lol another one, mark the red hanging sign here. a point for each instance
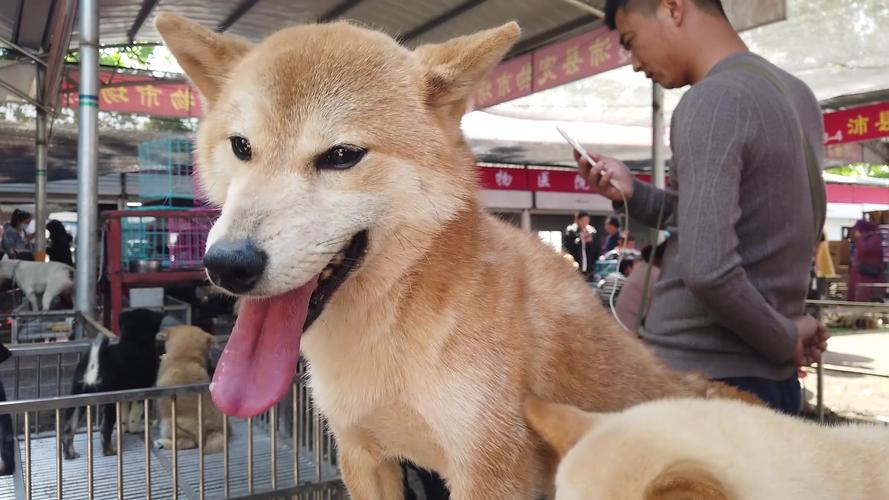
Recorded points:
(857, 124)
(128, 93)
(557, 64)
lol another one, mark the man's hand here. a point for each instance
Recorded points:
(811, 343)
(603, 172)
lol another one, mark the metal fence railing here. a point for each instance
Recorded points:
(876, 311)
(288, 454)
(283, 453)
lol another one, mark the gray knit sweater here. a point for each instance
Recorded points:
(737, 266)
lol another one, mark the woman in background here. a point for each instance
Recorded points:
(59, 249)
(867, 264)
(14, 242)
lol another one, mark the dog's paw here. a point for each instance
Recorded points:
(71, 455)
(163, 444)
(109, 451)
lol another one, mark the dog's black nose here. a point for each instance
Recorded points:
(235, 265)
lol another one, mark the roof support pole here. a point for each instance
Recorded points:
(40, 182)
(87, 163)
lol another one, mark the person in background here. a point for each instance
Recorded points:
(59, 249)
(614, 282)
(578, 241)
(824, 267)
(867, 264)
(745, 211)
(14, 243)
(612, 235)
(640, 281)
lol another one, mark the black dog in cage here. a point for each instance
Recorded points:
(7, 444)
(131, 363)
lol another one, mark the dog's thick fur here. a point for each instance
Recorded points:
(709, 450)
(49, 279)
(131, 363)
(185, 362)
(427, 351)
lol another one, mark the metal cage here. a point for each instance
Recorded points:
(165, 168)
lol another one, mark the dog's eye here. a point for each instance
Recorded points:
(241, 147)
(340, 157)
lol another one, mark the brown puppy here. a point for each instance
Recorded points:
(185, 362)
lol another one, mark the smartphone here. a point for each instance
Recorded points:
(576, 145)
(582, 152)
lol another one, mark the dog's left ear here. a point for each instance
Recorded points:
(453, 68)
(206, 57)
(561, 426)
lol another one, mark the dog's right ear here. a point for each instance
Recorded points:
(453, 68)
(206, 57)
(561, 426)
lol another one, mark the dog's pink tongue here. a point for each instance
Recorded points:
(259, 361)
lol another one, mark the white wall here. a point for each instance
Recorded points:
(841, 215)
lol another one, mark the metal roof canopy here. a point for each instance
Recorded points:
(36, 34)
(125, 22)
(28, 28)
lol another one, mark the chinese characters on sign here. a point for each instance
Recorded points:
(857, 124)
(114, 95)
(578, 57)
(503, 179)
(148, 96)
(512, 179)
(508, 81)
(563, 181)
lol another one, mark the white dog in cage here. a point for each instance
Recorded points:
(49, 279)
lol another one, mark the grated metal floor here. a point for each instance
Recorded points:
(74, 472)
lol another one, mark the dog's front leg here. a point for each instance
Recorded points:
(110, 419)
(32, 298)
(72, 422)
(134, 420)
(367, 473)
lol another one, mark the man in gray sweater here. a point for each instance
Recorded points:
(744, 201)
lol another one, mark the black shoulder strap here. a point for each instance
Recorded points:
(816, 181)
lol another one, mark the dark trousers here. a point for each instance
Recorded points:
(782, 395)
(434, 487)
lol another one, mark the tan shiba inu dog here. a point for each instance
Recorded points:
(350, 218)
(709, 450)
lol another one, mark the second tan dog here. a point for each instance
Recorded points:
(685, 449)
(185, 362)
